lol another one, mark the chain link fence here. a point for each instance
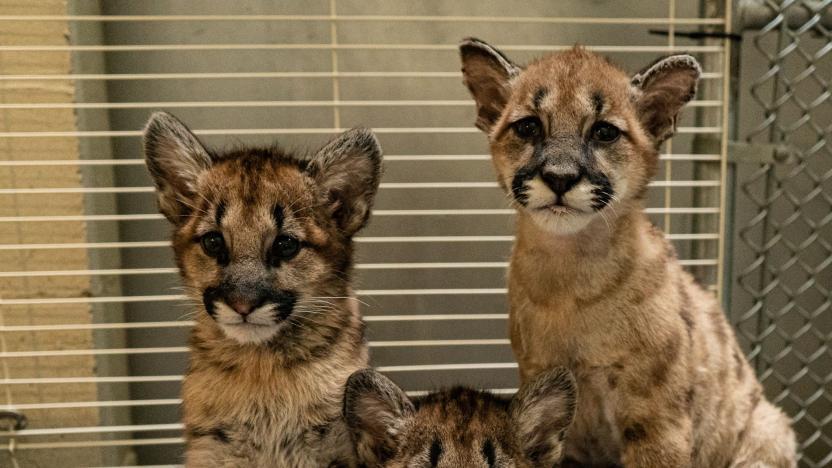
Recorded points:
(783, 254)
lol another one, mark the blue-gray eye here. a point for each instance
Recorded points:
(285, 247)
(213, 244)
(528, 128)
(605, 132)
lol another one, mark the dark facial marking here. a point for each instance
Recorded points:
(598, 102)
(435, 452)
(257, 296)
(537, 99)
(603, 190)
(277, 214)
(219, 213)
(209, 296)
(635, 433)
(489, 453)
(518, 184)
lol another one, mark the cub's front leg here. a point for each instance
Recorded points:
(653, 423)
(656, 442)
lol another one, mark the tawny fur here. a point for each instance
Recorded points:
(459, 427)
(596, 288)
(267, 392)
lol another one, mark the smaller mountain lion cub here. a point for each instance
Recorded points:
(263, 241)
(459, 427)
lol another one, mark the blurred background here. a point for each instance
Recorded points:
(92, 328)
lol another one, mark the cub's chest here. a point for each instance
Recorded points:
(282, 445)
(561, 333)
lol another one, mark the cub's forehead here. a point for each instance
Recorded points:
(257, 177)
(576, 77)
(471, 411)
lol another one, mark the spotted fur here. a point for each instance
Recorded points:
(594, 287)
(459, 427)
(263, 241)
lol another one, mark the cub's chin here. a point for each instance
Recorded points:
(258, 327)
(560, 221)
(250, 333)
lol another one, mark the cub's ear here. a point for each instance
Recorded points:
(542, 411)
(661, 89)
(487, 74)
(175, 159)
(349, 169)
(375, 410)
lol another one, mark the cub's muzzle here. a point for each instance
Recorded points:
(245, 300)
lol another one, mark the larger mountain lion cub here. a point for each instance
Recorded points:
(594, 286)
(263, 241)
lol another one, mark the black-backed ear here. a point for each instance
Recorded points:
(487, 73)
(661, 90)
(175, 159)
(542, 411)
(349, 169)
(375, 410)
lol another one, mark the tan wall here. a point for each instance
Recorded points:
(13, 120)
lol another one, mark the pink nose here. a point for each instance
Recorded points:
(241, 307)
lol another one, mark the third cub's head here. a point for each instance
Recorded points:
(460, 427)
(263, 239)
(571, 133)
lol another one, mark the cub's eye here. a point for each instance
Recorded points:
(527, 128)
(285, 247)
(605, 132)
(213, 244)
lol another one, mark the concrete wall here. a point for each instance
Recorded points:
(12, 149)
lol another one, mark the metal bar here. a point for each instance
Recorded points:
(247, 104)
(283, 131)
(190, 323)
(436, 212)
(91, 443)
(180, 297)
(387, 158)
(184, 349)
(178, 378)
(327, 46)
(358, 266)
(383, 185)
(371, 18)
(93, 430)
(244, 75)
(91, 404)
(360, 240)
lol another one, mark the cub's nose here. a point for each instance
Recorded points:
(240, 306)
(560, 183)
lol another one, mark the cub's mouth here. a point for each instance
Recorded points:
(249, 315)
(559, 209)
(562, 204)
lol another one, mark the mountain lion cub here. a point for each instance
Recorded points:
(263, 241)
(459, 427)
(593, 286)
